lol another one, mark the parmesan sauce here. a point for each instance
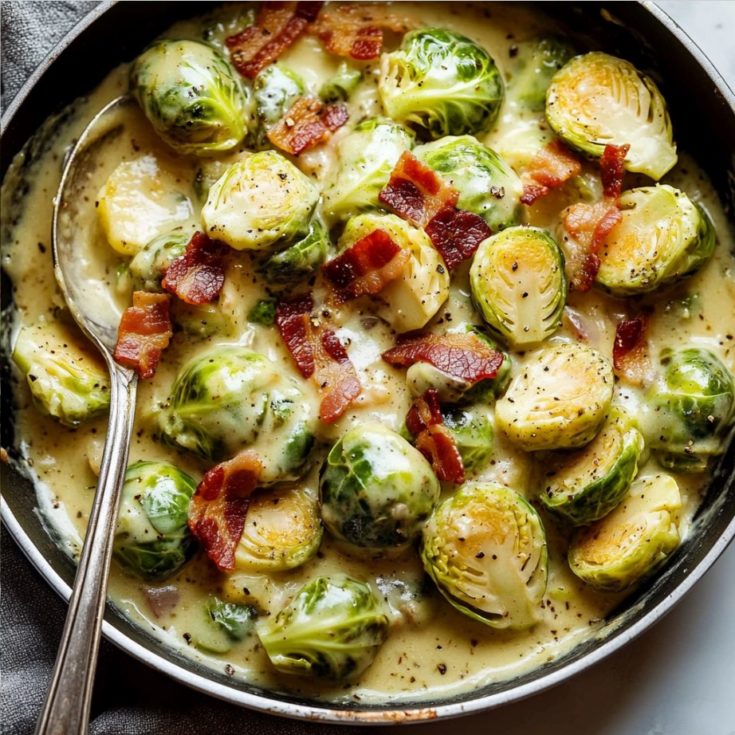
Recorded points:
(433, 654)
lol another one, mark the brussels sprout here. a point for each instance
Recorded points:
(203, 320)
(191, 96)
(366, 158)
(441, 83)
(341, 85)
(586, 484)
(616, 551)
(149, 264)
(230, 397)
(485, 548)
(258, 201)
(219, 625)
(210, 170)
(472, 431)
(690, 409)
(597, 100)
(662, 236)
(264, 312)
(518, 283)
(376, 489)
(138, 202)
(537, 63)
(487, 185)
(558, 400)
(414, 299)
(276, 88)
(152, 538)
(64, 381)
(332, 629)
(282, 531)
(300, 260)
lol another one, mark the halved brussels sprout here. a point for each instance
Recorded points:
(472, 431)
(633, 540)
(597, 100)
(558, 400)
(65, 382)
(258, 201)
(150, 264)
(229, 398)
(441, 83)
(300, 260)
(536, 64)
(152, 538)
(485, 548)
(376, 489)
(586, 484)
(691, 408)
(662, 236)
(412, 300)
(191, 96)
(138, 202)
(487, 185)
(366, 157)
(518, 283)
(341, 84)
(332, 629)
(282, 531)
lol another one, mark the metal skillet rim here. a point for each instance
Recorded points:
(314, 713)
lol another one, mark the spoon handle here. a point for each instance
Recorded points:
(66, 710)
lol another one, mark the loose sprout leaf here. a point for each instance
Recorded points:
(376, 489)
(264, 312)
(332, 629)
(558, 400)
(518, 283)
(197, 276)
(485, 549)
(220, 504)
(340, 86)
(633, 540)
(235, 620)
(144, 333)
(597, 100)
(191, 96)
(471, 428)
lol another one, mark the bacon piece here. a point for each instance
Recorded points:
(612, 169)
(551, 167)
(438, 446)
(416, 192)
(144, 333)
(306, 125)
(197, 276)
(356, 30)
(424, 412)
(219, 506)
(463, 356)
(456, 234)
(368, 266)
(630, 350)
(278, 26)
(320, 355)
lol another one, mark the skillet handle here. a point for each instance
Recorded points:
(66, 710)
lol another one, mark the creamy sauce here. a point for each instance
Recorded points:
(442, 652)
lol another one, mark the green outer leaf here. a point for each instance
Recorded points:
(573, 496)
(472, 431)
(332, 629)
(235, 620)
(149, 264)
(342, 84)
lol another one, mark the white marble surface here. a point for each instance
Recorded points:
(679, 677)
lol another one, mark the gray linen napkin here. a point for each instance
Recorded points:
(129, 698)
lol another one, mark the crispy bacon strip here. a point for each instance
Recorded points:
(307, 124)
(463, 356)
(219, 506)
(456, 234)
(144, 332)
(630, 350)
(320, 355)
(415, 192)
(612, 169)
(278, 26)
(197, 276)
(356, 30)
(425, 421)
(368, 266)
(551, 167)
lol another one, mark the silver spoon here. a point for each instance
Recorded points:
(66, 710)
